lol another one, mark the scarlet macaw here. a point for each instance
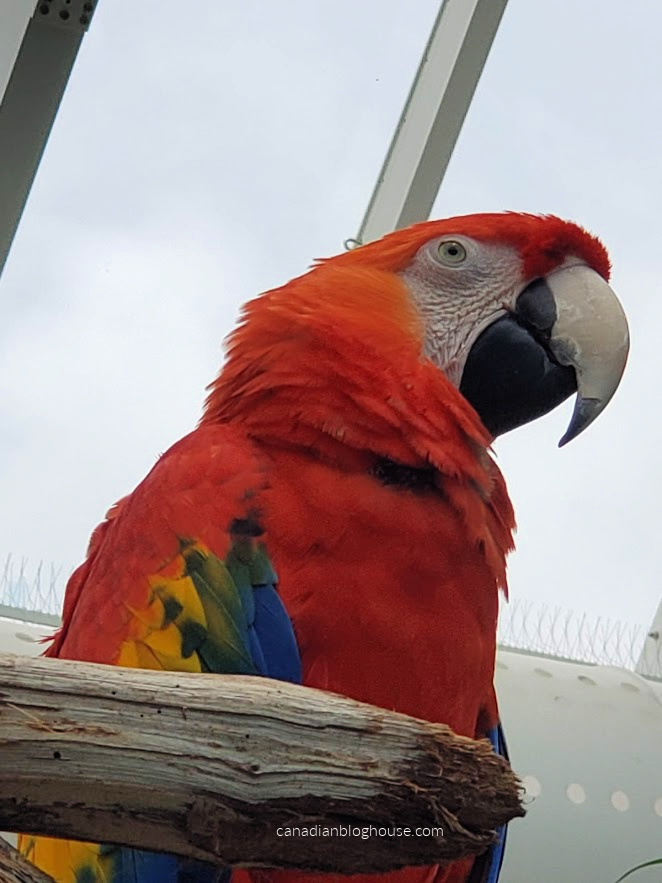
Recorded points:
(345, 446)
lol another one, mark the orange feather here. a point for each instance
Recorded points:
(393, 591)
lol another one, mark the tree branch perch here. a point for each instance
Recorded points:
(16, 869)
(216, 767)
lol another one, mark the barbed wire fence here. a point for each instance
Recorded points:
(554, 631)
(560, 633)
(38, 590)
(530, 627)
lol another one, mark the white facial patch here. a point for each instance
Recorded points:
(457, 300)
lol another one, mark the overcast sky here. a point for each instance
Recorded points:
(204, 153)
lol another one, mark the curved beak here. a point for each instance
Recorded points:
(565, 333)
(589, 334)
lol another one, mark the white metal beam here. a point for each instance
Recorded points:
(440, 96)
(37, 54)
(14, 18)
(650, 659)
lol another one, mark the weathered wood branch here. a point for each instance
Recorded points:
(221, 768)
(16, 869)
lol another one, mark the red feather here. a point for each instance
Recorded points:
(393, 592)
(543, 241)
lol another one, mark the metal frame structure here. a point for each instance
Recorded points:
(40, 41)
(433, 115)
(649, 663)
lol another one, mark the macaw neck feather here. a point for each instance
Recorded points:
(330, 366)
(332, 363)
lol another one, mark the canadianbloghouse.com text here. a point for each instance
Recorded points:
(365, 832)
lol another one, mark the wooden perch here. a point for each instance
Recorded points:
(16, 869)
(222, 768)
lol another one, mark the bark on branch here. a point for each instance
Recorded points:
(218, 768)
(16, 869)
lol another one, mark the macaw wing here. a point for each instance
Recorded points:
(212, 614)
(178, 578)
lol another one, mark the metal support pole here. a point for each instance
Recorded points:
(440, 96)
(43, 61)
(649, 663)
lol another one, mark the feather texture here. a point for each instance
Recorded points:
(187, 598)
(333, 449)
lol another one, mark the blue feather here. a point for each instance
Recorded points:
(275, 636)
(132, 865)
(487, 868)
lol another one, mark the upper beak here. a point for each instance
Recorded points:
(591, 335)
(565, 333)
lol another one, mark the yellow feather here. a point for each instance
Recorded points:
(166, 645)
(184, 592)
(65, 859)
(134, 654)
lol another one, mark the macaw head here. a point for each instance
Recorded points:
(514, 308)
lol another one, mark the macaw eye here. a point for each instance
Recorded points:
(452, 252)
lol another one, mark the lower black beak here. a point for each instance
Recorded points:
(510, 378)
